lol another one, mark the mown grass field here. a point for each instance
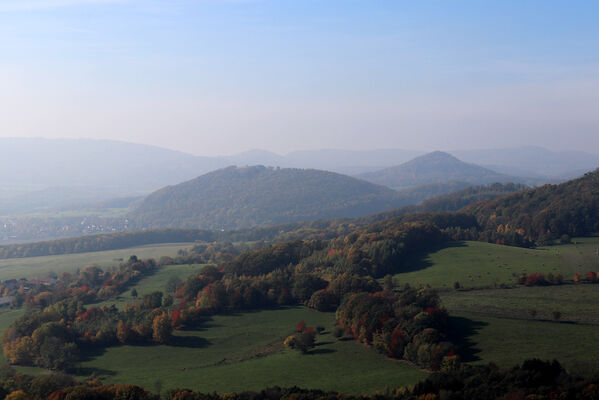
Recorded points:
(478, 265)
(37, 267)
(245, 352)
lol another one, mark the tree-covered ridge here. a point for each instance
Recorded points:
(233, 198)
(109, 241)
(543, 214)
(318, 229)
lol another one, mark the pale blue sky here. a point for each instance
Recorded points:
(222, 76)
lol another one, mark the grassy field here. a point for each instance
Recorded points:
(496, 323)
(575, 302)
(477, 264)
(241, 352)
(245, 352)
(497, 326)
(37, 267)
(154, 282)
(507, 341)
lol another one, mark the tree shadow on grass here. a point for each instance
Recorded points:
(193, 342)
(258, 310)
(461, 332)
(322, 343)
(91, 353)
(208, 322)
(321, 351)
(420, 260)
(91, 371)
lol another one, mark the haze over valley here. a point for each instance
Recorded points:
(299, 200)
(65, 190)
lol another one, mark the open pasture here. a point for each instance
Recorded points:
(483, 265)
(38, 267)
(575, 302)
(506, 341)
(154, 282)
(245, 352)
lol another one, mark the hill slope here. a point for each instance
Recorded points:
(434, 168)
(544, 213)
(243, 197)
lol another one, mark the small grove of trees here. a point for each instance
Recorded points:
(408, 326)
(557, 315)
(87, 285)
(52, 338)
(303, 340)
(540, 279)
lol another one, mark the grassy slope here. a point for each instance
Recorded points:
(154, 282)
(244, 351)
(496, 322)
(508, 341)
(35, 267)
(477, 265)
(575, 302)
(237, 352)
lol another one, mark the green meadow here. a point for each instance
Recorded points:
(483, 265)
(575, 302)
(229, 353)
(496, 324)
(155, 282)
(244, 351)
(507, 341)
(38, 267)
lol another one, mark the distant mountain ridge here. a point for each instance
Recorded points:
(40, 174)
(436, 167)
(535, 160)
(315, 229)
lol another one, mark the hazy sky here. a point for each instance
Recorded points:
(222, 76)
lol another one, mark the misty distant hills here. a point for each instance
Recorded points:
(44, 163)
(349, 162)
(232, 198)
(235, 198)
(436, 167)
(38, 175)
(533, 161)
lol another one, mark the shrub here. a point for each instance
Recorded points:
(338, 332)
(556, 315)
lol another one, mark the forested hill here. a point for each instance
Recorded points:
(232, 198)
(449, 202)
(542, 214)
(434, 168)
